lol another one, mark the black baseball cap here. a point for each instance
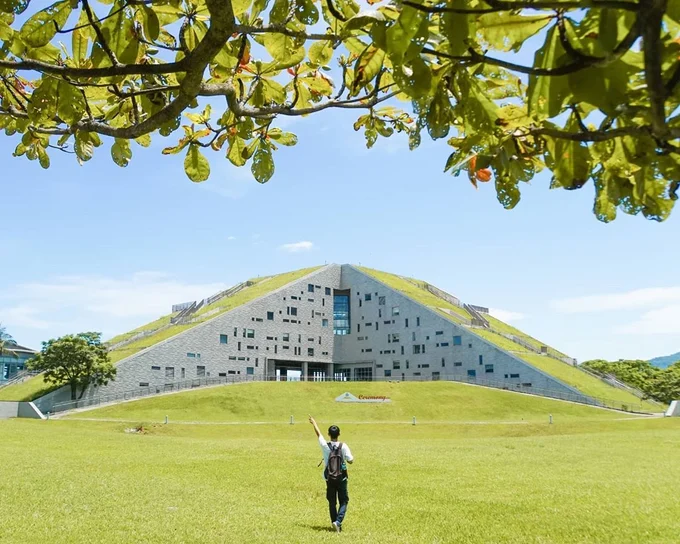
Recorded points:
(334, 431)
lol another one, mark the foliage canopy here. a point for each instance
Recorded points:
(599, 103)
(78, 360)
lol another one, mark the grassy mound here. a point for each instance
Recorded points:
(277, 401)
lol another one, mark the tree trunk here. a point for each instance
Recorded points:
(74, 389)
(82, 391)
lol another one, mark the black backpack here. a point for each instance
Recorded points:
(334, 470)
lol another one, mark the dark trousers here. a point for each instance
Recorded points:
(336, 491)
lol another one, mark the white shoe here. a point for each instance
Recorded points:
(336, 526)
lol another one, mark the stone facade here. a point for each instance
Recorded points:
(391, 337)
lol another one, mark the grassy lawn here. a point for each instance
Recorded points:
(428, 401)
(36, 387)
(578, 480)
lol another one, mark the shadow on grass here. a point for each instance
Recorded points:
(319, 528)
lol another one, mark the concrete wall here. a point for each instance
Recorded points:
(19, 409)
(673, 409)
(306, 331)
(373, 325)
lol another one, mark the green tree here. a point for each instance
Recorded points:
(666, 384)
(598, 104)
(6, 343)
(636, 373)
(78, 360)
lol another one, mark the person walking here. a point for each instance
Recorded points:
(336, 455)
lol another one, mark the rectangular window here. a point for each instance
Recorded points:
(155, 368)
(514, 375)
(223, 338)
(200, 371)
(438, 333)
(402, 350)
(250, 333)
(328, 290)
(293, 310)
(406, 322)
(310, 352)
(417, 322)
(443, 362)
(191, 355)
(324, 322)
(395, 337)
(406, 364)
(457, 340)
(396, 365)
(222, 374)
(458, 363)
(367, 297)
(444, 344)
(358, 327)
(310, 287)
(488, 369)
(232, 357)
(270, 316)
(472, 373)
(231, 372)
(250, 370)
(239, 346)
(235, 331)
(427, 365)
(435, 376)
(250, 347)
(416, 349)
(286, 337)
(422, 346)
(481, 359)
(395, 310)
(381, 301)
(184, 372)
(169, 371)
(143, 384)
(388, 373)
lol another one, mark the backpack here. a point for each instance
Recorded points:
(334, 470)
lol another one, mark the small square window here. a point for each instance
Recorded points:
(395, 337)
(270, 316)
(200, 371)
(286, 337)
(293, 310)
(458, 363)
(381, 301)
(388, 373)
(328, 290)
(310, 352)
(472, 373)
(488, 369)
(457, 340)
(250, 333)
(310, 287)
(367, 297)
(223, 338)
(169, 371)
(250, 370)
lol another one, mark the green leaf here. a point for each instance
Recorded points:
(439, 114)
(507, 31)
(263, 163)
(120, 152)
(321, 52)
(283, 138)
(43, 104)
(279, 11)
(363, 19)
(283, 48)
(42, 26)
(240, 6)
(604, 88)
(507, 191)
(547, 94)
(235, 152)
(415, 80)
(13, 6)
(512, 116)
(306, 12)
(84, 145)
(70, 103)
(458, 29)
(152, 26)
(196, 166)
(400, 34)
(569, 161)
(367, 66)
(80, 39)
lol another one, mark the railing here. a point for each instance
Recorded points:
(477, 318)
(143, 392)
(183, 317)
(19, 377)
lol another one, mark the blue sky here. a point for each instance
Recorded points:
(102, 248)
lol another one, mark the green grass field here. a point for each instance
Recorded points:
(504, 475)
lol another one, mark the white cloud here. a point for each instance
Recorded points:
(297, 247)
(639, 298)
(664, 320)
(231, 237)
(100, 303)
(506, 315)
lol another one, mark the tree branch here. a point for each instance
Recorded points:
(99, 33)
(652, 25)
(673, 80)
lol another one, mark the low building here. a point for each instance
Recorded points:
(13, 360)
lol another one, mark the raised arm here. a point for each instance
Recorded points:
(316, 427)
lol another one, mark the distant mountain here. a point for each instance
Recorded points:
(665, 362)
